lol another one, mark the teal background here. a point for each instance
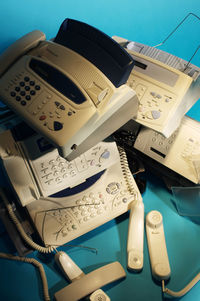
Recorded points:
(144, 21)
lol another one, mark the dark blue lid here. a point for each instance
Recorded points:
(98, 48)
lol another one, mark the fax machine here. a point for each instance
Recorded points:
(71, 89)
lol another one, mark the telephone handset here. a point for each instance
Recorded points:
(19, 48)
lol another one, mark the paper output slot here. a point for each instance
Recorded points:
(157, 152)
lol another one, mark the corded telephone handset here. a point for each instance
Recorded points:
(20, 47)
(72, 89)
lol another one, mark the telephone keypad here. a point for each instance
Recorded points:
(24, 89)
(154, 101)
(192, 147)
(92, 207)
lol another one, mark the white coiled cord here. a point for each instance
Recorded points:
(35, 263)
(23, 234)
(126, 172)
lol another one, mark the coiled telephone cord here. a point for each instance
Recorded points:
(23, 234)
(126, 173)
(35, 263)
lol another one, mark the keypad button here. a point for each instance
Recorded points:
(32, 92)
(57, 103)
(43, 117)
(18, 98)
(57, 126)
(155, 114)
(158, 96)
(28, 97)
(27, 88)
(32, 83)
(153, 94)
(13, 94)
(22, 84)
(26, 79)
(22, 93)
(17, 89)
(37, 87)
(23, 102)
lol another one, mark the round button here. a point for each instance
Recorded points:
(32, 92)
(28, 97)
(27, 88)
(105, 155)
(22, 93)
(32, 83)
(57, 103)
(26, 79)
(42, 117)
(13, 94)
(18, 98)
(37, 87)
(158, 96)
(153, 94)
(17, 89)
(155, 114)
(22, 84)
(23, 102)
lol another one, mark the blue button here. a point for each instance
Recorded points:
(155, 114)
(105, 155)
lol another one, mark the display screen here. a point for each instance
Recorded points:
(155, 71)
(140, 65)
(57, 80)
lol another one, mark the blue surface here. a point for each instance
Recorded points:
(144, 21)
